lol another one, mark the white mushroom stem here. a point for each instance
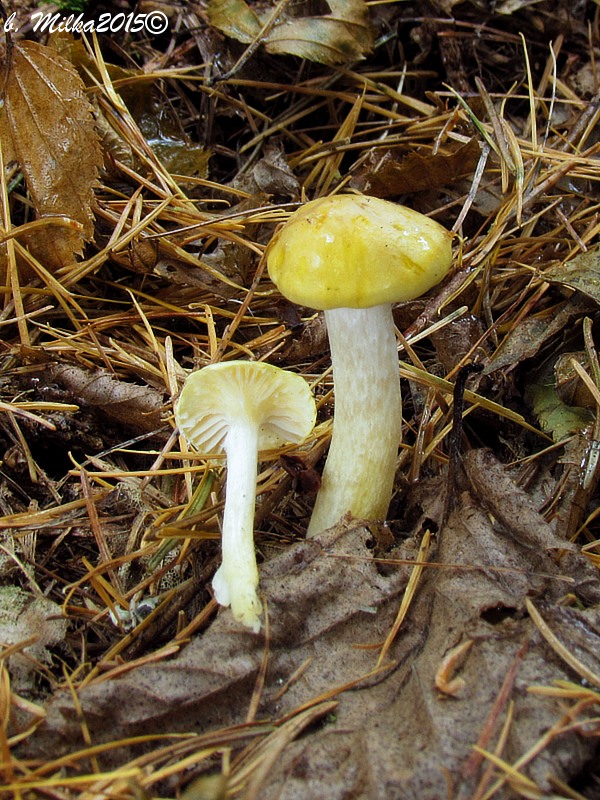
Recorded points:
(236, 581)
(367, 428)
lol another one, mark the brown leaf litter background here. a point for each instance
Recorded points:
(450, 651)
(394, 732)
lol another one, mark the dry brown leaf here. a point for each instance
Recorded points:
(48, 120)
(320, 594)
(137, 407)
(528, 337)
(393, 173)
(512, 507)
(34, 619)
(401, 738)
(309, 341)
(342, 36)
(393, 735)
(273, 175)
(581, 273)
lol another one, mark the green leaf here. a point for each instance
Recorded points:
(555, 417)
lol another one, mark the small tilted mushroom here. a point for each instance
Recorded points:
(241, 407)
(354, 256)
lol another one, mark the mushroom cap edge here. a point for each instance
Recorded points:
(279, 402)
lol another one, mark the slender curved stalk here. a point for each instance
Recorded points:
(367, 428)
(236, 581)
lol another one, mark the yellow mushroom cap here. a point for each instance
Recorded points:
(353, 251)
(280, 403)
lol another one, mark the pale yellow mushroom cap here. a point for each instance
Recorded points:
(353, 251)
(280, 403)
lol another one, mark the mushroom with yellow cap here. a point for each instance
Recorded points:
(242, 407)
(353, 256)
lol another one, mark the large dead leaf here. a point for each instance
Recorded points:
(47, 123)
(393, 173)
(323, 596)
(339, 37)
(395, 734)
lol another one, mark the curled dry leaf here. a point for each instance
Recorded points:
(137, 407)
(342, 36)
(273, 175)
(47, 121)
(309, 341)
(512, 507)
(446, 680)
(533, 332)
(581, 273)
